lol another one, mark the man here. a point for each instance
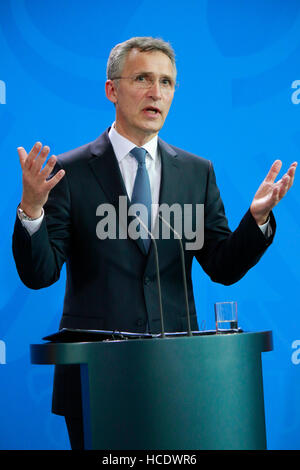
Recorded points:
(111, 282)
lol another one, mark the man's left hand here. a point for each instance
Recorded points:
(270, 193)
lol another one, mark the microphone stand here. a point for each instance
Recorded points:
(183, 274)
(157, 275)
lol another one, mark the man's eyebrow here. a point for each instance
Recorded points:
(148, 72)
(162, 75)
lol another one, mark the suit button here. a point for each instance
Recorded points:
(140, 322)
(147, 280)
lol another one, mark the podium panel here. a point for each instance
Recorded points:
(184, 393)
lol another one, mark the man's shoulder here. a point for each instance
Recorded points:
(75, 155)
(84, 153)
(185, 157)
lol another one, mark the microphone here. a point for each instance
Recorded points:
(183, 274)
(157, 276)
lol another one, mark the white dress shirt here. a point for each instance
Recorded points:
(128, 165)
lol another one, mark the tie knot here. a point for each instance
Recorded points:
(139, 154)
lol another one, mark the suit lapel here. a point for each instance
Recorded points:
(169, 190)
(105, 168)
(170, 174)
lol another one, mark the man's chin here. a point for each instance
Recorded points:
(151, 127)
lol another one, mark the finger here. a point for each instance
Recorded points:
(48, 167)
(55, 179)
(291, 173)
(275, 195)
(40, 159)
(281, 187)
(292, 168)
(22, 155)
(32, 155)
(273, 172)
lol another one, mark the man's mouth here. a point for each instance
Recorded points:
(152, 110)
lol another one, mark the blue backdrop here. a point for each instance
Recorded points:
(237, 104)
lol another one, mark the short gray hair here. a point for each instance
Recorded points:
(119, 53)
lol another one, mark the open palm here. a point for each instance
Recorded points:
(270, 192)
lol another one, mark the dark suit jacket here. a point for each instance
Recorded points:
(111, 283)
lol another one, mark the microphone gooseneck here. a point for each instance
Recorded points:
(157, 275)
(183, 274)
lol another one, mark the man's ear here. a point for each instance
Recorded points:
(111, 90)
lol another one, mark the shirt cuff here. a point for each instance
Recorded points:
(266, 228)
(32, 226)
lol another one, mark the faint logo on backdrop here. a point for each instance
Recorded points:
(295, 358)
(296, 94)
(2, 352)
(2, 92)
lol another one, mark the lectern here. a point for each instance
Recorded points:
(172, 393)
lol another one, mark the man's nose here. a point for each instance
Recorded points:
(155, 91)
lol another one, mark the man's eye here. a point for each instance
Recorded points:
(140, 78)
(166, 82)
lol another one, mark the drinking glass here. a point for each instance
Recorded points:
(226, 317)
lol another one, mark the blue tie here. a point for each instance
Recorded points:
(142, 192)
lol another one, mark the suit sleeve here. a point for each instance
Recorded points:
(40, 257)
(226, 256)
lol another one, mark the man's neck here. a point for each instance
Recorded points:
(138, 139)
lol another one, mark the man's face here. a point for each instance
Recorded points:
(141, 112)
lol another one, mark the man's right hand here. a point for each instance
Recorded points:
(36, 187)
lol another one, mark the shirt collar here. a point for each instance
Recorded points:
(123, 146)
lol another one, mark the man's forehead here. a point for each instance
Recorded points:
(148, 60)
